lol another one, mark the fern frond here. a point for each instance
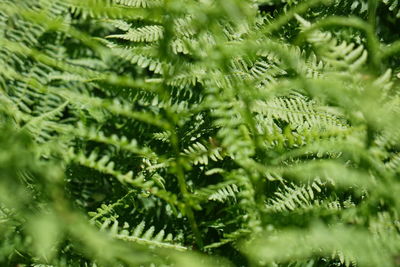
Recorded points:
(143, 34)
(141, 236)
(225, 193)
(297, 110)
(200, 154)
(339, 55)
(92, 134)
(139, 3)
(394, 6)
(290, 198)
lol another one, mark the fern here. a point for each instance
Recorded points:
(199, 133)
(140, 236)
(393, 6)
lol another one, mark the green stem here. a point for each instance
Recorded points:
(372, 8)
(392, 49)
(164, 50)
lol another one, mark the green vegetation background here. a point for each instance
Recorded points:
(199, 133)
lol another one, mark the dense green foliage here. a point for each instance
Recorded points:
(199, 133)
